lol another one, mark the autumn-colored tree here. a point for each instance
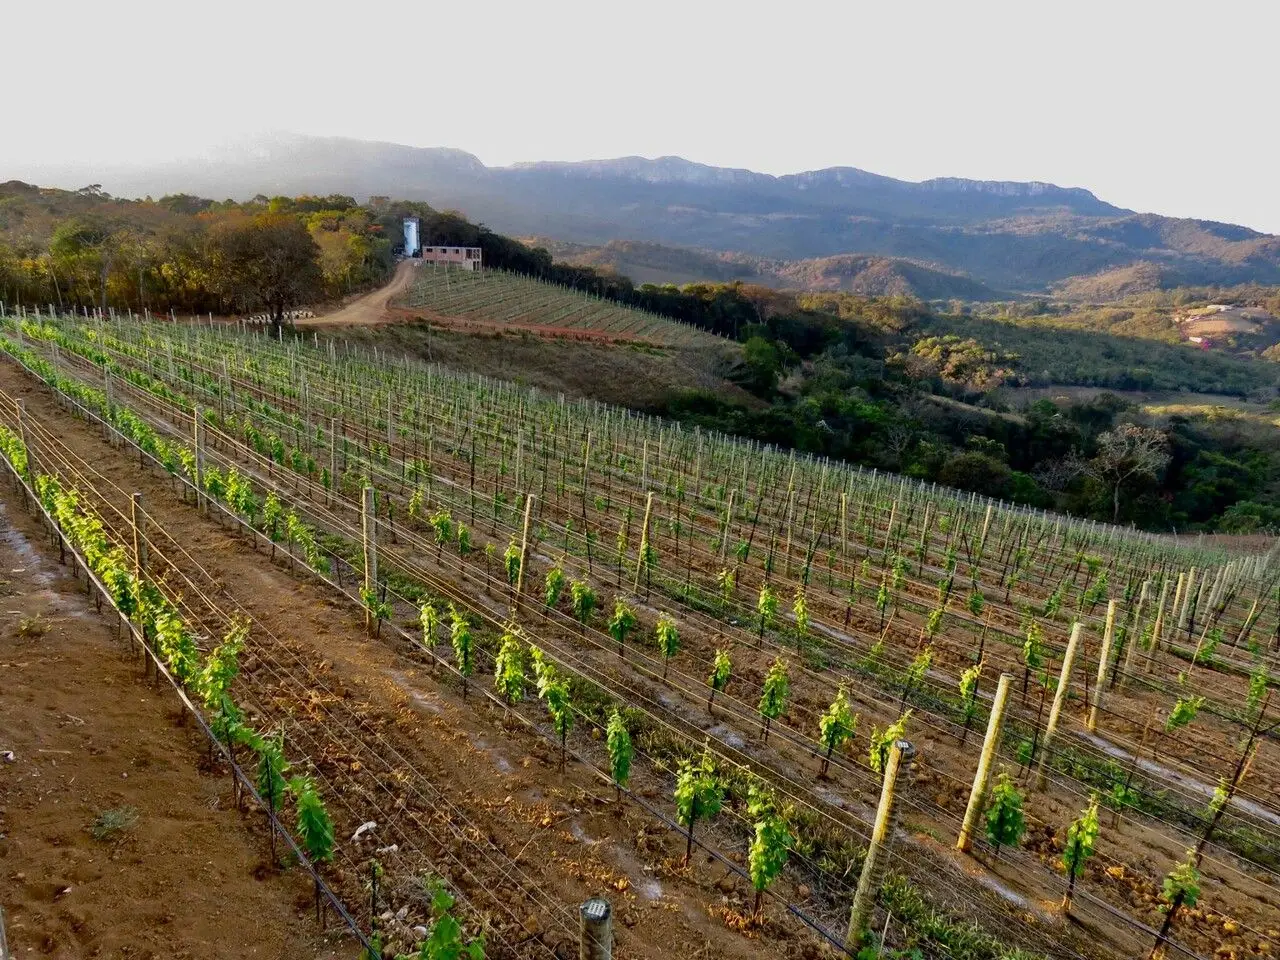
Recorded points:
(264, 262)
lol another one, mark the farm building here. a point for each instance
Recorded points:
(465, 258)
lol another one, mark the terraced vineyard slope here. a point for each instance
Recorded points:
(499, 299)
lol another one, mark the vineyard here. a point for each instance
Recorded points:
(497, 299)
(833, 712)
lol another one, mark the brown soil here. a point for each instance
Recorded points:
(454, 784)
(186, 879)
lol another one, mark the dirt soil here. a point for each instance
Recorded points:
(89, 736)
(369, 308)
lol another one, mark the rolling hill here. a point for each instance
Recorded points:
(1010, 236)
(850, 273)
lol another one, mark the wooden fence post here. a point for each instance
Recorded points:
(982, 778)
(595, 930)
(873, 867)
(1059, 698)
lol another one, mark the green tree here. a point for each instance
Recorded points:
(583, 599)
(314, 825)
(668, 639)
(762, 363)
(883, 740)
(511, 561)
(264, 262)
(430, 620)
(699, 795)
(554, 585)
(969, 695)
(621, 623)
(771, 845)
(800, 609)
(766, 608)
(836, 727)
(508, 667)
(1183, 712)
(463, 645)
(1005, 821)
(721, 668)
(773, 698)
(1081, 837)
(618, 740)
(554, 691)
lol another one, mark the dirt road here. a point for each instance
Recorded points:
(370, 308)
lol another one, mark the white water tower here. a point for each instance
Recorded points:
(411, 242)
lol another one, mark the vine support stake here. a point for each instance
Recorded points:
(197, 427)
(873, 867)
(524, 549)
(369, 534)
(1103, 659)
(333, 456)
(982, 778)
(595, 930)
(644, 541)
(1059, 698)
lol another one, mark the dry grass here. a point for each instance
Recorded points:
(630, 375)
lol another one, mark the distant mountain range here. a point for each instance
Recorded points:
(1023, 237)
(850, 272)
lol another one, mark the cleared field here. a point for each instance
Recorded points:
(497, 298)
(511, 509)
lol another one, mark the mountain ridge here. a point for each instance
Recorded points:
(1021, 236)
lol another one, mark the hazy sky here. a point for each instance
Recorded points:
(1168, 107)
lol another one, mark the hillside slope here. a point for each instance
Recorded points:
(852, 273)
(1015, 236)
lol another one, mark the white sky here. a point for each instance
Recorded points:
(1161, 106)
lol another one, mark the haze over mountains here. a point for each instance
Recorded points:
(955, 237)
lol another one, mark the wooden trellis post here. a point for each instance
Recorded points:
(876, 861)
(982, 778)
(1059, 697)
(524, 549)
(1103, 659)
